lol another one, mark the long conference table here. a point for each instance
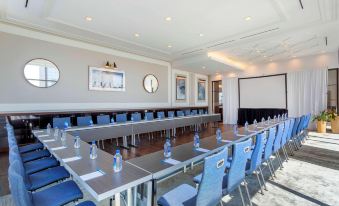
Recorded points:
(99, 179)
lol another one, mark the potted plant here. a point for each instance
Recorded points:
(321, 118)
(333, 117)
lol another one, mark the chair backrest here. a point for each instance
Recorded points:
(307, 122)
(187, 112)
(161, 115)
(269, 143)
(201, 111)
(59, 122)
(136, 116)
(120, 118)
(149, 115)
(20, 195)
(285, 133)
(180, 113)
(103, 119)
(210, 187)
(256, 157)
(236, 173)
(301, 124)
(170, 114)
(84, 121)
(290, 129)
(194, 112)
(295, 126)
(14, 154)
(19, 168)
(278, 136)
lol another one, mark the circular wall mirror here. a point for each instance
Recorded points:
(41, 73)
(151, 83)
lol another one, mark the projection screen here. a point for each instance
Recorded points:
(263, 92)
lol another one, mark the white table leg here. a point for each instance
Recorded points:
(129, 197)
(149, 193)
(135, 193)
(117, 199)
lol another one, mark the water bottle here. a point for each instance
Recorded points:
(268, 120)
(235, 129)
(275, 118)
(117, 161)
(255, 123)
(93, 151)
(167, 148)
(48, 128)
(56, 133)
(132, 119)
(63, 135)
(262, 121)
(218, 135)
(246, 126)
(90, 122)
(66, 125)
(145, 117)
(112, 120)
(279, 118)
(196, 140)
(77, 142)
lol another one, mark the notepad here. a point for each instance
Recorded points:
(261, 127)
(58, 148)
(71, 159)
(92, 175)
(224, 140)
(43, 135)
(49, 140)
(171, 161)
(202, 150)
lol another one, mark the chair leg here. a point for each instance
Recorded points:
(247, 192)
(256, 173)
(279, 159)
(241, 196)
(290, 148)
(221, 203)
(103, 144)
(285, 153)
(262, 176)
(269, 168)
(116, 139)
(272, 168)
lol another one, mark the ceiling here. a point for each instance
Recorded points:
(237, 32)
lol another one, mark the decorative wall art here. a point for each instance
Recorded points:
(101, 79)
(201, 89)
(181, 87)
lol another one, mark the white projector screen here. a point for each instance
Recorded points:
(263, 92)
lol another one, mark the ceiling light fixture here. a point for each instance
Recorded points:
(222, 58)
(88, 18)
(169, 46)
(201, 35)
(136, 35)
(248, 18)
(168, 18)
(203, 67)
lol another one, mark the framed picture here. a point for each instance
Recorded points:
(101, 79)
(180, 87)
(201, 89)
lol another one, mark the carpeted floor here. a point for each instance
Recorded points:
(310, 177)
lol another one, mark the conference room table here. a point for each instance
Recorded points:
(147, 169)
(97, 175)
(131, 128)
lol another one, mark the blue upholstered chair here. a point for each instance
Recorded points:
(121, 118)
(180, 114)
(201, 111)
(187, 112)
(33, 166)
(289, 135)
(254, 163)
(103, 119)
(209, 191)
(84, 121)
(170, 114)
(194, 112)
(284, 138)
(86, 203)
(59, 122)
(277, 143)
(40, 179)
(269, 149)
(59, 194)
(149, 115)
(161, 115)
(136, 116)
(23, 149)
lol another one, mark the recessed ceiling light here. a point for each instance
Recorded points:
(203, 67)
(217, 73)
(88, 18)
(168, 18)
(248, 18)
(322, 51)
(201, 35)
(169, 46)
(294, 56)
(136, 35)
(265, 56)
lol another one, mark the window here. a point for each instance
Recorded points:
(332, 90)
(41, 73)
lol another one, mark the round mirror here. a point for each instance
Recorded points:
(151, 83)
(41, 73)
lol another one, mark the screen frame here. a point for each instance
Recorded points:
(282, 74)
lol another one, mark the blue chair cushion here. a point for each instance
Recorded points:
(41, 164)
(30, 156)
(182, 195)
(86, 203)
(31, 147)
(60, 194)
(46, 177)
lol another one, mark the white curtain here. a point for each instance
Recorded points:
(306, 92)
(230, 100)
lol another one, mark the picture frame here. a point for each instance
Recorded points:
(201, 89)
(181, 87)
(102, 79)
